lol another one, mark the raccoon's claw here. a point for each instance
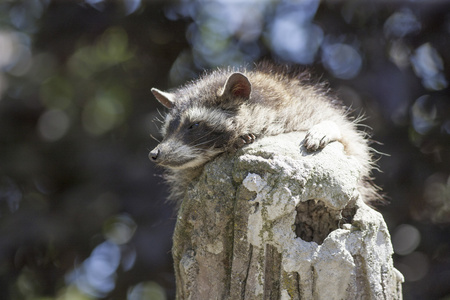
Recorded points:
(321, 135)
(248, 138)
(245, 139)
(314, 143)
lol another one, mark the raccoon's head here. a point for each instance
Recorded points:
(197, 127)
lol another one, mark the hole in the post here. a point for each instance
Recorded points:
(314, 220)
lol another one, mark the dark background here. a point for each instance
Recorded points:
(82, 211)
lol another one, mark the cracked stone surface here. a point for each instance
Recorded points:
(273, 221)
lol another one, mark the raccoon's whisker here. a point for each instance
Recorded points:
(158, 120)
(160, 114)
(199, 138)
(155, 138)
(205, 142)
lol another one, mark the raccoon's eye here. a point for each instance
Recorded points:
(193, 126)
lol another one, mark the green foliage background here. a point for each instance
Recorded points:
(82, 211)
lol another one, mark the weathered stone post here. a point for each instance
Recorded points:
(273, 221)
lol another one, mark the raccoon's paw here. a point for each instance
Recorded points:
(321, 135)
(244, 139)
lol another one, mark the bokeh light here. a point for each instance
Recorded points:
(405, 239)
(437, 196)
(342, 60)
(119, 229)
(96, 276)
(428, 65)
(423, 114)
(401, 24)
(146, 290)
(53, 124)
(82, 211)
(293, 36)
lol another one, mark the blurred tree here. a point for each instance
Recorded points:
(82, 212)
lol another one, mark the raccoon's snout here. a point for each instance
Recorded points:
(154, 154)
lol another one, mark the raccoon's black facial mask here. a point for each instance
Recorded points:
(187, 143)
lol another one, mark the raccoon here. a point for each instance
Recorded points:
(228, 108)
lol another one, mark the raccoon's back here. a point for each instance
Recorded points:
(286, 102)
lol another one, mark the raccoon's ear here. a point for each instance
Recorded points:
(166, 99)
(237, 85)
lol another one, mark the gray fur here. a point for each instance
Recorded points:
(226, 108)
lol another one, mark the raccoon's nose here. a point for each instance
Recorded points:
(154, 154)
